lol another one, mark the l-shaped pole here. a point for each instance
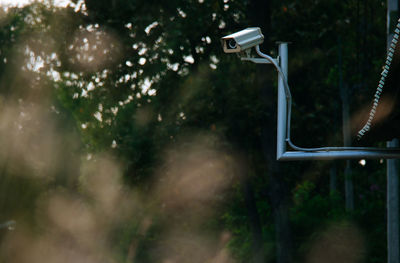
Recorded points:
(308, 154)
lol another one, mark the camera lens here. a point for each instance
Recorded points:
(232, 43)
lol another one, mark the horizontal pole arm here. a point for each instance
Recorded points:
(336, 155)
(258, 60)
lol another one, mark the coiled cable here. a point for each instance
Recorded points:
(381, 84)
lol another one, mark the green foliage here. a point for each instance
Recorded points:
(147, 83)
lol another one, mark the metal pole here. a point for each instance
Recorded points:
(282, 104)
(321, 153)
(392, 204)
(282, 118)
(392, 191)
(338, 155)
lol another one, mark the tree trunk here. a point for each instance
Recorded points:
(344, 94)
(255, 225)
(278, 196)
(278, 190)
(278, 193)
(349, 189)
(333, 178)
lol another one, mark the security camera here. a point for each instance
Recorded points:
(242, 40)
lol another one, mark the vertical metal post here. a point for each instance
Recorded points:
(392, 190)
(392, 206)
(282, 104)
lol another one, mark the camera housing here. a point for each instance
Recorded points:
(242, 40)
